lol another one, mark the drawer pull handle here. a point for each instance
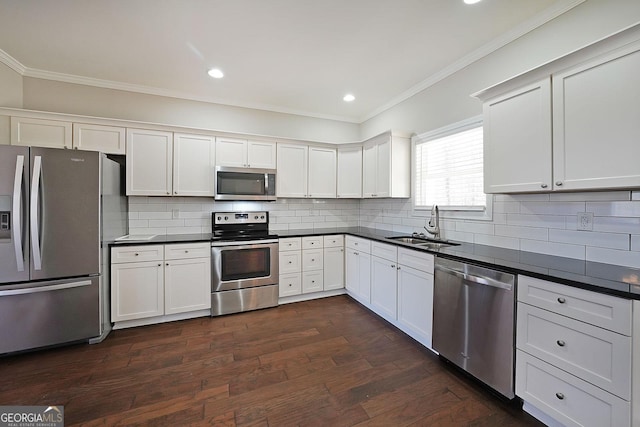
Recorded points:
(560, 396)
(561, 300)
(561, 343)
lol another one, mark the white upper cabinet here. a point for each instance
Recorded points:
(596, 118)
(41, 133)
(107, 139)
(517, 140)
(305, 171)
(349, 173)
(291, 180)
(571, 124)
(149, 162)
(242, 153)
(193, 160)
(322, 172)
(386, 166)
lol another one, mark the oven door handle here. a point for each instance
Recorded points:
(243, 243)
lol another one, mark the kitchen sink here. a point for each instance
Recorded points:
(423, 242)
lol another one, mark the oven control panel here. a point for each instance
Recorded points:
(228, 218)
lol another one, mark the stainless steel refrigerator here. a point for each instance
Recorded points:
(52, 213)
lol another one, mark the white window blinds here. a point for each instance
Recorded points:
(449, 170)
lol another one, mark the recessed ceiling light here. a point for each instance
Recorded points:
(472, 1)
(215, 73)
(348, 97)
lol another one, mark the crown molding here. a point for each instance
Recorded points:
(12, 63)
(528, 26)
(508, 37)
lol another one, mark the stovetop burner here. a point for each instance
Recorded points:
(241, 226)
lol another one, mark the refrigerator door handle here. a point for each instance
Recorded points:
(17, 213)
(33, 290)
(35, 196)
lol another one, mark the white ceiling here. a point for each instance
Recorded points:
(295, 56)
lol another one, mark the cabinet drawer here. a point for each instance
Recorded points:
(605, 311)
(384, 250)
(312, 259)
(290, 262)
(567, 399)
(313, 242)
(422, 261)
(334, 241)
(187, 250)
(290, 284)
(596, 355)
(137, 253)
(290, 244)
(358, 244)
(312, 281)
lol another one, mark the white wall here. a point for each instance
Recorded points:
(10, 87)
(449, 100)
(61, 97)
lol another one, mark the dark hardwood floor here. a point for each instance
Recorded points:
(327, 362)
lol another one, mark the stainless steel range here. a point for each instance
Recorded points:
(244, 263)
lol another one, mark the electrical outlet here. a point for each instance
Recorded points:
(175, 213)
(585, 221)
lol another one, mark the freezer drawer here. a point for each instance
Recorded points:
(43, 314)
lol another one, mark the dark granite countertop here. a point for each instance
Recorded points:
(604, 278)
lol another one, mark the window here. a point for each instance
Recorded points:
(449, 171)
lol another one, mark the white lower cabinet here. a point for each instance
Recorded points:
(173, 279)
(384, 284)
(358, 268)
(415, 295)
(333, 262)
(574, 354)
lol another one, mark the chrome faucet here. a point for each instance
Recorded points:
(433, 227)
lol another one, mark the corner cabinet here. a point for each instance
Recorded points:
(571, 124)
(386, 166)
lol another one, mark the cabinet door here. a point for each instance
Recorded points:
(107, 139)
(517, 140)
(149, 162)
(384, 288)
(415, 304)
(231, 152)
(364, 285)
(322, 172)
(193, 165)
(333, 268)
(292, 170)
(290, 284)
(137, 290)
(596, 131)
(312, 281)
(383, 169)
(369, 169)
(187, 285)
(312, 259)
(352, 271)
(261, 155)
(41, 133)
(349, 173)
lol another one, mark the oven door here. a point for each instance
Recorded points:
(238, 265)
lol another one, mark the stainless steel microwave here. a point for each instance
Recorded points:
(244, 183)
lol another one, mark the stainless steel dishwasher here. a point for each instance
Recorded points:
(474, 322)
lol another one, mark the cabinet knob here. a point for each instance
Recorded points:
(561, 343)
(398, 267)
(167, 264)
(186, 252)
(290, 285)
(561, 300)
(356, 253)
(289, 262)
(312, 259)
(137, 254)
(159, 265)
(313, 281)
(543, 185)
(560, 396)
(175, 192)
(393, 266)
(559, 183)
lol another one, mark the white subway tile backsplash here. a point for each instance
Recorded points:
(544, 223)
(612, 256)
(589, 238)
(552, 248)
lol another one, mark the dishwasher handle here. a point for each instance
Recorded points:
(486, 281)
